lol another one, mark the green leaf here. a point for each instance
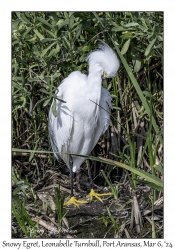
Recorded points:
(27, 31)
(41, 100)
(158, 168)
(42, 20)
(105, 220)
(131, 24)
(45, 40)
(16, 190)
(125, 47)
(127, 35)
(45, 50)
(137, 65)
(114, 192)
(24, 19)
(52, 52)
(62, 23)
(46, 102)
(150, 184)
(147, 93)
(32, 39)
(14, 177)
(116, 108)
(119, 28)
(24, 212)
(85, 48)
(33, 153)
(71, 21)
(55, 96)
(54, 111)
(38, 34)
(52, 34)
(148, 49)
(18, 14)
(57, 50)
(15, 24)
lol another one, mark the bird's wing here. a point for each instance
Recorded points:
(104, 115)
(105, 109)
(60, 127)
(60, 130)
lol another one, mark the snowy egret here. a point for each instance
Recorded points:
(85, 115)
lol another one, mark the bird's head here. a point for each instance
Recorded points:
(105, 59)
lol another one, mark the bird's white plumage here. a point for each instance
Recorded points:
(86, 114)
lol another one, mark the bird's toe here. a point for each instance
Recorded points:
(96, 195)
(75, 202)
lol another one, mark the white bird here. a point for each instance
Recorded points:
(85, 115)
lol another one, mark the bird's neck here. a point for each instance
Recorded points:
(94, 81)
(95, 76)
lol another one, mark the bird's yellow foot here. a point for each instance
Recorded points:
(75, 202)
(96, 195)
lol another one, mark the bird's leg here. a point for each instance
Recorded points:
(73, 200)
(90, 173)
(78, 182)
(92, 192)
(71, 174)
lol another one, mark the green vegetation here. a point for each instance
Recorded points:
(59, 202)
(46, 47)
